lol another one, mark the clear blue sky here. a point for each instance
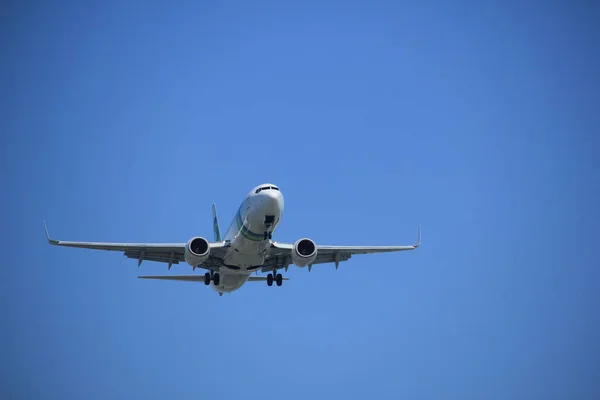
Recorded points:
(123, 122)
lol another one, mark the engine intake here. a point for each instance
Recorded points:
(197, 251)
(304, 252)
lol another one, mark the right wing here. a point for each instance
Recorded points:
(171, 253)
(281, 253)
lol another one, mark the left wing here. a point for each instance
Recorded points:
(281, 253)
(172, 253)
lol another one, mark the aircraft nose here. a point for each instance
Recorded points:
(273, 200)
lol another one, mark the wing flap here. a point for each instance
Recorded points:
(149, 255)
(322, 258)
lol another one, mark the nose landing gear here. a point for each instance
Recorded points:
(269, 221)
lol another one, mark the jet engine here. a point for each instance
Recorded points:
(197, 250)
(304, 252)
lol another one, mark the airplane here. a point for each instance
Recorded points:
(246, 248)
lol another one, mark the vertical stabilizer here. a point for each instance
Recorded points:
(216, 230)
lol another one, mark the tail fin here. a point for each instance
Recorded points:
(216, 230)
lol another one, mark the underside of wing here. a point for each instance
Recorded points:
(171, 253)
(281, 253)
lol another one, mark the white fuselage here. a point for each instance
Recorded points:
(249, 236)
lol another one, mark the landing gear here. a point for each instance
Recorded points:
(278, 278)
(215, 278)
(267, 235)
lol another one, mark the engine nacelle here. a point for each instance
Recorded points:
(304, 252)
(197, 250)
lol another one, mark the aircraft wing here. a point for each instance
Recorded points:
(171, 253)
(281, 253)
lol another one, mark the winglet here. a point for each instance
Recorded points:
(419, 237)
(51, 241)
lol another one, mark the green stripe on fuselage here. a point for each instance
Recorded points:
(247, 233)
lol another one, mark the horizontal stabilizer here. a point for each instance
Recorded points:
(188, 278)
(261, 279)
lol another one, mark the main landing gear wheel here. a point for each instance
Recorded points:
(215, 278)
(278, 278)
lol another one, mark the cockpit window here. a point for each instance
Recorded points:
(262, 188)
